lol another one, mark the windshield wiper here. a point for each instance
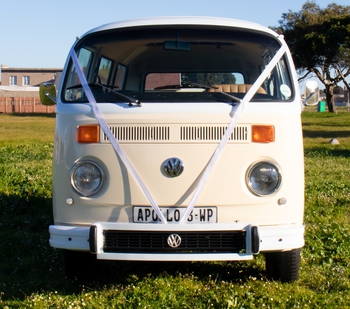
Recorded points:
(196, 85)
(130, 99)
(234, 99)
(184, 85)
(110, 89)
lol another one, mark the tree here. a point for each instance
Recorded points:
(319, 40)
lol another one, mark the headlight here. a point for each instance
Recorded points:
(86, 178)
(263, 178)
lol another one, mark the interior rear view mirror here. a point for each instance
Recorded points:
(177, 45)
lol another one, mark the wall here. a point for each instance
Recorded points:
(36, 76)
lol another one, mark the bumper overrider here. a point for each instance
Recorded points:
(176, 242)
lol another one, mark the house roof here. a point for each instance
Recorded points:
(31, 70)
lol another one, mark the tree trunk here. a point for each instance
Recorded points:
(330, 98)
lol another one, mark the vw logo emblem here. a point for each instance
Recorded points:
(174, 240)
(173, 167)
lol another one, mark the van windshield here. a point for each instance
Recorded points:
(177, 64)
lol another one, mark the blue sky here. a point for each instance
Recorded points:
(39, 33)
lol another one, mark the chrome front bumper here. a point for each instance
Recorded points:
(256, 239)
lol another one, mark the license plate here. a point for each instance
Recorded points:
(143, 214)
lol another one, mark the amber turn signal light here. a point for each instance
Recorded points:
(88, 134)
(263, 133)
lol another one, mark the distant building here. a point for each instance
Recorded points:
(31, 77)
(15, 81)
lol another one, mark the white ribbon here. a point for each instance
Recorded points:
(235, 114)
(115, 144)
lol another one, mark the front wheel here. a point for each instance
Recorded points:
(283, 266)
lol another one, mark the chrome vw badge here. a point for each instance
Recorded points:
(174, 240)
(173, 167)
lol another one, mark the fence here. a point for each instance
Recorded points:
(10, 105)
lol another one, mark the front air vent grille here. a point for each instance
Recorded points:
(177, 133)
(140, 133)
(212, 133)
(116, 241)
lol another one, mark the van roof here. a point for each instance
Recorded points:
(183, 20)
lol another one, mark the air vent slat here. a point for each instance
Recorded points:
(212, 133)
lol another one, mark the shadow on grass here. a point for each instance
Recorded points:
(29, 265)
(327, 151)
(43, 115)
(121, 274)
(325, 134)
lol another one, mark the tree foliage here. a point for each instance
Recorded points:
(319, 40)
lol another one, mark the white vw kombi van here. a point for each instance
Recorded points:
(179, 139)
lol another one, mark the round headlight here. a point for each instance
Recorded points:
(86, 178)
(263, 178)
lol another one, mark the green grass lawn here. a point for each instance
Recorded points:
(27, 129)
(31, 272)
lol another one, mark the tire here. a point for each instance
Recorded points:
(78, 264)
(283, 266)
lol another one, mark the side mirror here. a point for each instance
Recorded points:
(47, 93)
(312, 93)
